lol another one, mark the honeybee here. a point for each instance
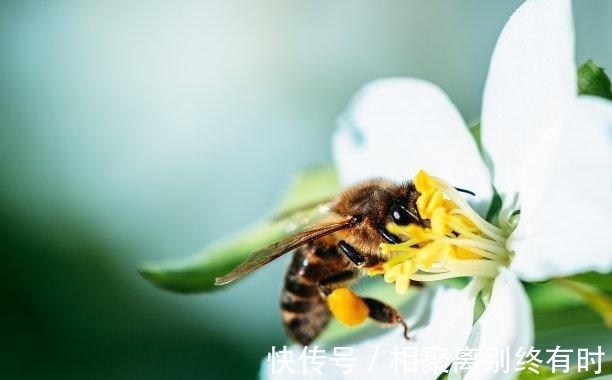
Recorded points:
(334, 253)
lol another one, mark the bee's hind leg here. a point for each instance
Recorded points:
(385, 314)
(351, 309)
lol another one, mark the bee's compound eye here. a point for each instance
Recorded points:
(401, 215)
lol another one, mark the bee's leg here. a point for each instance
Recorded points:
(394, 239)
(352, 253)
(334, 281)
(388, 236)
(385, 314)
(351, 309)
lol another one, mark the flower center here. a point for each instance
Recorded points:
(457, 242)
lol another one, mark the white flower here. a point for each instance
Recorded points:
(550, 154)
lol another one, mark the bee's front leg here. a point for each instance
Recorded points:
(351, 253)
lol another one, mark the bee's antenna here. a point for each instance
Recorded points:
(465, 191)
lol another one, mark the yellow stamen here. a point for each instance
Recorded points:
(455, 241)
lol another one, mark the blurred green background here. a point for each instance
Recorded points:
(141, 130)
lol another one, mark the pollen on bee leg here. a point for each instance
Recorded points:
(347, 307)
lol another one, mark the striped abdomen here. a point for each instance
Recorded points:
(315, 268)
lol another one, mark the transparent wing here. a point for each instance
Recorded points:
(311, 209)
(263, 256)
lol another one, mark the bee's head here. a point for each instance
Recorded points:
(375, 204)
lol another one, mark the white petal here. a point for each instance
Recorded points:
(447, 328)
(531, 81)
(395, 127)
(569, 229)
(504, 327)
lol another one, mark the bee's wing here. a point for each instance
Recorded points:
(319, 204)
(265, 255)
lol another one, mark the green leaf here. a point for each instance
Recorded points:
(569, 326)
(593, 81)
(551, 297)
(197, 273)
(601, 281)
(599, 301)
(566, 293)
(573, 374)
(564, 317)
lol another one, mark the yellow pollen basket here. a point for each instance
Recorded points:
(347, 307)
(457, 242)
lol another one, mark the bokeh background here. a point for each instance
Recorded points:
(140, 130)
